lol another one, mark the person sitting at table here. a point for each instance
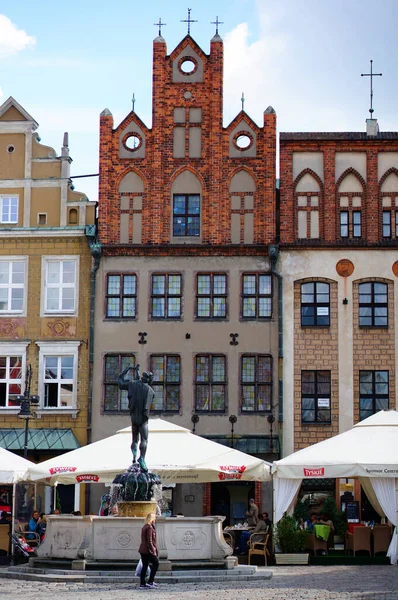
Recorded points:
(313, 520)
(326, 520)
(261, 527)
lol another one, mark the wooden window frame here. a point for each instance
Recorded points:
(186, 215)
(316, 396)
(374, 396)
(256, 383)
(165, 384)
(121, 296)
(372, 304)
(166, 296)
(114, 382)
(211, 296)
(257, 296)
(315, 304)
(210, 383)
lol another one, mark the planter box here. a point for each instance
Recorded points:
(292, 559)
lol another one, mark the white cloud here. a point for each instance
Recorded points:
(12, 39)
(250, 68)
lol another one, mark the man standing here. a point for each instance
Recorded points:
(252, 513)
(140, 396)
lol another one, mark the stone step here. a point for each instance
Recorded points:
(240, 570)
(229, 575)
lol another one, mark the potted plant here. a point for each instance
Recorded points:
(338, 519)
(290, 540)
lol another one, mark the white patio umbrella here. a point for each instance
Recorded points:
(369, 451)
(174, 453)
(13, 468)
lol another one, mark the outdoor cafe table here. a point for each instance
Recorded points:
(236, 532)
(322, 531)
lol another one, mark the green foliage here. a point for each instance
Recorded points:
(289, 536)
(337, 517)
(302, 510)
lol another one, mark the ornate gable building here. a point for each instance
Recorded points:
(339, 231)
(45, 265)
(185, 286)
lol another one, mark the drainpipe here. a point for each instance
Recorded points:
(95, 249)
(273, 253)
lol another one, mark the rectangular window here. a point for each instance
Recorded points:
(386, 223)
(315, 304)
(121, 296)
(373, 304)
(10, 380)
(166, 382)
(315, 397)
(116, 400)
(9, 209)
(396, 224)
(256, 383)
(373, 392)
(60, 286)
(12, 286)
(210, 383)
(166, 296)
(58, 381)
(186, 215)
(356, 224)
(344, 223)
(256, 296)
(211, 296)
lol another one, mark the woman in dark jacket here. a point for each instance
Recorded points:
(149, 551)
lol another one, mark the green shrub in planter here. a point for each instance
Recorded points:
(337, 517)
(289, 536)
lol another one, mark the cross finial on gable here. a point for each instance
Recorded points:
(243, 100)
(133, 101)
(371, 75)
(217, 23)
(160, 25)
(189, 21)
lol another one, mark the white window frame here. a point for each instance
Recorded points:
(14, 349)
(8, 197)
(58, 349)
(45, 261)
(24, 286)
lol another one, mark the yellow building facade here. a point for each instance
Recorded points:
(45, 266)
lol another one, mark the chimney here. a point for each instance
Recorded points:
(372, 127)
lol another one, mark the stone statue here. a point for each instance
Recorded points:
(140, 395)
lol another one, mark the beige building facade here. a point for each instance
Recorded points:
(45, 265)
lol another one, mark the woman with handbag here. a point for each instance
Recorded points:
(149, 551)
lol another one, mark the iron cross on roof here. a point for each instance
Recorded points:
(160, 25)
(243, 100)
(189, 21)
(371, 75)
(217, 23)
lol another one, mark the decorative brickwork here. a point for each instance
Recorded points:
(315, 348)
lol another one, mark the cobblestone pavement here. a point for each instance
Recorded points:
(296, 583)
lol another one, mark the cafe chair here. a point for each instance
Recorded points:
(358, 540)
(258, 544)
(315, 544)
(381, 538)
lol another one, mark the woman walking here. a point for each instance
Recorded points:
(149, 551)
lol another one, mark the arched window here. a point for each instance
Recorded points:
(186, 202)
(389, 206)
(308, 194)
(350, 205)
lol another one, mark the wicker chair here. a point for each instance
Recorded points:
(258, 544)
(381, 538)
(229, 538)
(358, 540)
(314, 544)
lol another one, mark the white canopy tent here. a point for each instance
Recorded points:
(174, 453)
(368, 451)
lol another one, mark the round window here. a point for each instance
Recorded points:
(188, 65)
(243, 141)
(10, 149)
(132, 142)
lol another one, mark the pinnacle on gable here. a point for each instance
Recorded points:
(269, 111)
(106, 113)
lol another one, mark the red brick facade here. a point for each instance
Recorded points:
(214, 169)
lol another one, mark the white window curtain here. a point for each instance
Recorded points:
(384, 488)
(284, 493)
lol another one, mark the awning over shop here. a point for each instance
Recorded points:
(45, 438)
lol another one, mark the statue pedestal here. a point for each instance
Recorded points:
(136, 508)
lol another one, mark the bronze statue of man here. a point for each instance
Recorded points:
(140, 395)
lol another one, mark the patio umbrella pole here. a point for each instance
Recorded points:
(14, 504)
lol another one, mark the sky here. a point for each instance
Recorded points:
(64, 62)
